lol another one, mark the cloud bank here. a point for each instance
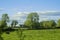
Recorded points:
(43, 15)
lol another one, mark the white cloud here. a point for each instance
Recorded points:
(44, 18)
(21, 16)
(46, 12)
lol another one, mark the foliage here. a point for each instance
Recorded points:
(5, 17)
(58, 23)
(14, 23)
(3, 24)
(48, 24)
(20, 33)
(4, 20)
(32, 20)
(50, 34)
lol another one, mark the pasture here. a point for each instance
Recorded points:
(50, 34)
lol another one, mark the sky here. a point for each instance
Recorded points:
(19, 9)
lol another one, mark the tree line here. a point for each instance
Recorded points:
(7, 29)
(32, 22)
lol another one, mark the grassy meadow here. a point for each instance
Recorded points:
(50, 34)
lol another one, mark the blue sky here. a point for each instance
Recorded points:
(19, 8)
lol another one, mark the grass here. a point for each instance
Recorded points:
(51, 34)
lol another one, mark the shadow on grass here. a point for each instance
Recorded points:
(44, 29)
(1, 38)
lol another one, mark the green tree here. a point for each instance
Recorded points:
(32, 20)
(14, 23)
(3, 23)
(34, 17)
(4, 20)
(48, 24)
(41, 24)
(1, 26)
(58, 23)
(5, 17)
(28, 24)
(52, 24)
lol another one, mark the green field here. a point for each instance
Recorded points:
(51, 34)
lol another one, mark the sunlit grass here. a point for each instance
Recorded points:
(52, 34)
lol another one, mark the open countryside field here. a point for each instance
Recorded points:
(50, 34)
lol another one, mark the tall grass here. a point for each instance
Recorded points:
(51, 34)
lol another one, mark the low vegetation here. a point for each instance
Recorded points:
(50, 34)
(13, 32)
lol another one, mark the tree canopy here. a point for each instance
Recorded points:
(32, 20)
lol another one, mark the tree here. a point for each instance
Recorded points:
(3, 24)
(14, 23)
(48, 24)
(32, 20)
(58, 23)
(4, 20)
(1, 27)
(5, 17)
(43, 24)
(52, 24)
(28, 24)
(33, 17)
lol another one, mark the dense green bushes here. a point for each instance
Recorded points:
(48, 24)
(32, 22)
